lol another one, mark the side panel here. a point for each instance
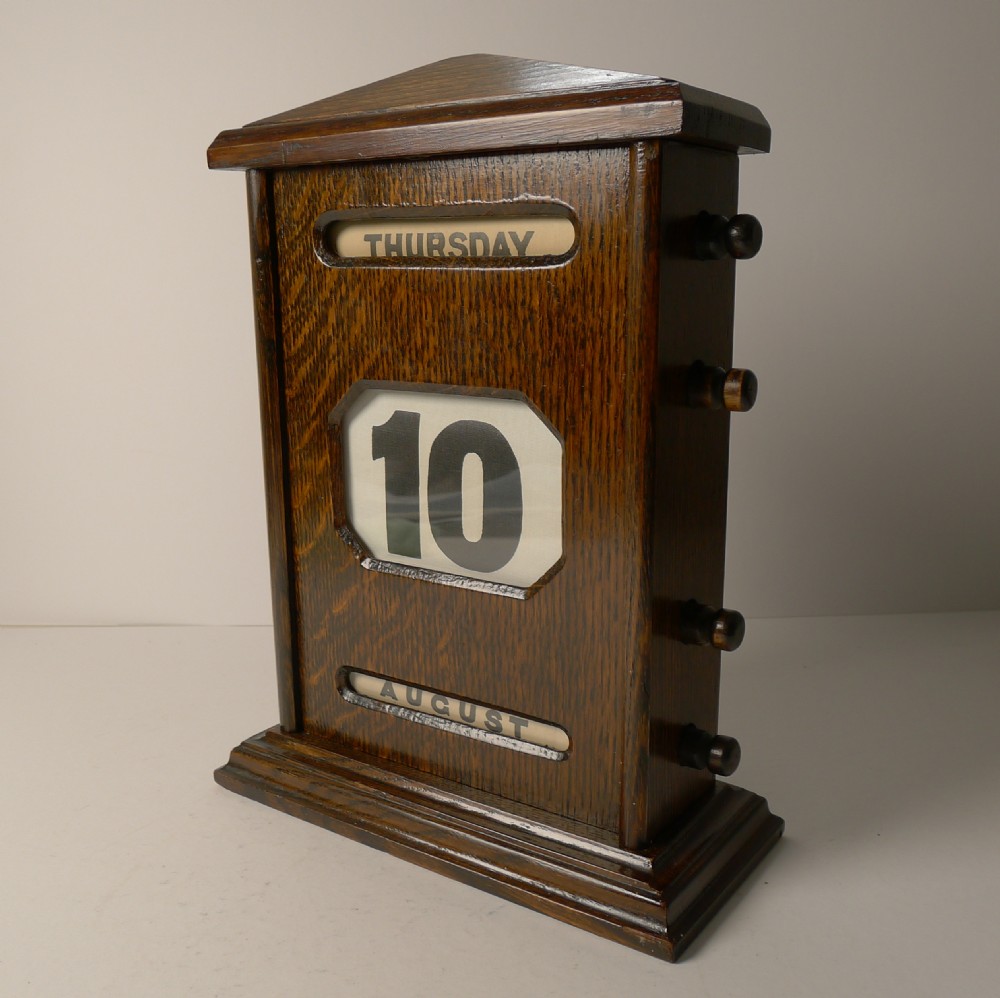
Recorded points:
(569, 337)
(267, 321)
(691, 472)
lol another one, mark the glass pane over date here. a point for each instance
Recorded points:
(454, 482)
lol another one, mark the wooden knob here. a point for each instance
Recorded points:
(714, 388)
(717, 237)
(700, 749)
(704, 625)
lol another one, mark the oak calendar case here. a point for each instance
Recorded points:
(494, 308)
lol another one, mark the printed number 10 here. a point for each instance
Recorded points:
(397, 441)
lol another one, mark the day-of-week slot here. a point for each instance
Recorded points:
(499, 238)
(461, 712)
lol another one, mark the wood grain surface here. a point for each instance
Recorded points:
(691, 462)
(618, 833)
(655, 900)
(572, 339)
(270, 377)
(488, 102)
(589, 341)
(472, 83)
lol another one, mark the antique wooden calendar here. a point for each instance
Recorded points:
(494, 311)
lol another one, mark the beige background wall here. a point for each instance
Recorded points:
(867, 479)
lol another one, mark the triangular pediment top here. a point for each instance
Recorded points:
(463, 82)
(481, 103)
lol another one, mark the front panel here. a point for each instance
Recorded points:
(468, 447)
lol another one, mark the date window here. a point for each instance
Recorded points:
(453, 482)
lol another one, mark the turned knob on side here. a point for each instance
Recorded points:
(699, 749)
(705, 625)
(713, 388)
(717, 237)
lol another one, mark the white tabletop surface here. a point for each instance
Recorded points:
(125, 870)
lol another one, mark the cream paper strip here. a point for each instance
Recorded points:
(464, 712)
(494, 238)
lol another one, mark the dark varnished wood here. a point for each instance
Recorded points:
(596, 649)
(705, 625)
(472, 83)
(711, 387)
(270, 377)
(627, 833)
(488, 102)
(654, 900)
(572, 338)
(690, 472)
(719, 754)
